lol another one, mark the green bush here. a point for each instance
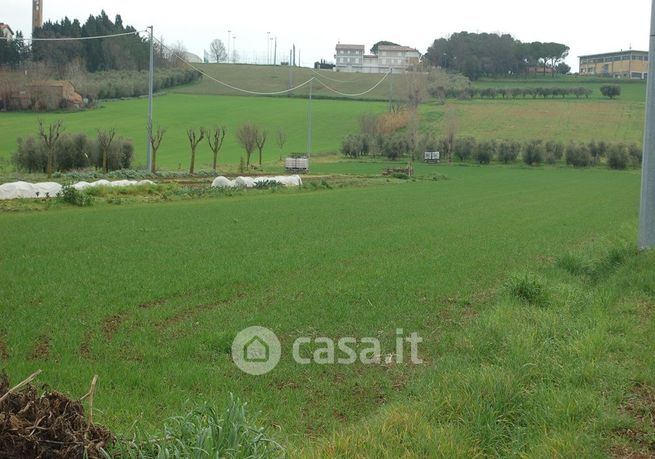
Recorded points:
(508, 151)
(618, 157)
(534, 152)
(395, 146)
(77, 198)
(578, 155)
(635, 152)
(610, 90)
(72, 152)
(31, 155)
(464, 148)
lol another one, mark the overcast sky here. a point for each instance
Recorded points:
(586, 26)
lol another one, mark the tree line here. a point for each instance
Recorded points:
(479, 55)
(129, 52)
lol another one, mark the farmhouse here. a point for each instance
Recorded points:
(629, 64)
(390, 58)
(6, 32)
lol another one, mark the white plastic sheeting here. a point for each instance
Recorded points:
(18, 190)
(250, 182)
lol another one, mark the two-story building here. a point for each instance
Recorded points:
(628, 64)
(390, 58)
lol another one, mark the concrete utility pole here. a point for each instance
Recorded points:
(647, 210)
(151, 81)
(309, 119)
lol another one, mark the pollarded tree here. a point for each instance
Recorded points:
(215, 138)
(50, 139)
(155, 143)
(260, 141)
(194, 140)
(105, 139)
(281, 138)
(247, 137)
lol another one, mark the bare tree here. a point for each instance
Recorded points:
(155, 142)
(281, 138)
(105, 138)
(50, 139)
(215, 138)
(176, 53)
(416, 89)
(194, 140)
(247, 136)
(260, 140)
(217, 51)
(450, 132)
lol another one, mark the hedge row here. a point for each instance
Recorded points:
(463, 149)
(72, 152)
(440, 92)
(124, 83)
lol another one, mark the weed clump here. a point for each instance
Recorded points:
(77, 198)
(528, 288)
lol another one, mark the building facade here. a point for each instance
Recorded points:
(629, 64)
(6, 32)
(390, 58)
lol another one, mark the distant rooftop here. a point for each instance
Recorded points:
(625, 51)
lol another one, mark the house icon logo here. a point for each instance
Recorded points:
(256, 350)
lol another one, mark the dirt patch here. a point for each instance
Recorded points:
(42, 349)
(85, 347)
(110, 325)
(48, 425)
(153, 304)
(190, 313)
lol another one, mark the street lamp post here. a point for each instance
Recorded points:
(229, 34)
(234, 49)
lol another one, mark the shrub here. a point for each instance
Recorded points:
(395, 146)
(464, 148)
(635, 152)
(72, 152)
(77, 198)
(31, 155)
(508, 151)
(354, 145)
(485, 151)
(534, 152)
(618, 158)
(610, 90)
(578, 155)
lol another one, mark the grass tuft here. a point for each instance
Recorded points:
(527, 288)
(203, 433)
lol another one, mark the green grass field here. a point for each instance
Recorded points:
(204, 104)
(150, 296)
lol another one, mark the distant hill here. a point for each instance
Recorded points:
(267, 78)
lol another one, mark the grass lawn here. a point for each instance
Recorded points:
(332, 120)
(149, 297)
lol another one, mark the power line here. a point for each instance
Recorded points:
(357, 94)
(75, 38)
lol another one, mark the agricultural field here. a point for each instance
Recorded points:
(521, 281)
